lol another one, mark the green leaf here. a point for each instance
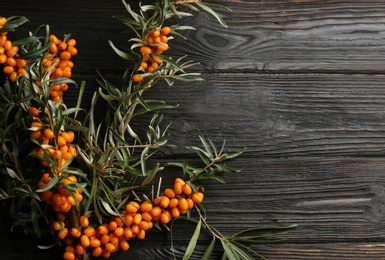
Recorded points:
(143, 159)
(209, 250)
(227, 247)
(213, 13)
(49, 185)
(122, 54)
(13, 174)
(193, 241)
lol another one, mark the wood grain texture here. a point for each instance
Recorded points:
(299, 83)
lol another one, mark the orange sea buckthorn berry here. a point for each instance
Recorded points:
(150, 40)
(144, 225)
(70, 180)
(8, 69)
(109, 247)
(178, 188)
(146, 206)
(62, 233)
(105, 239)
(53, 48)
(67, 156)
(72, 50)
(11, 61)
(3, 20)
(156, 59)
(187, 189)
(21, 72)
(156, 211)
(137, 78)
(89, 232)
(102, 230)
(142, 234)
(119, 231)
(68, 136)
(75, 232)
(137, 218)
(163, 47)
(57, 225)
(146, 216)
(183, 205)
(124, 245)
(97, 251)
(164, 39)
(46, 195)
(145, 50)
(174, 202)
(175, 212)
(84, 221)
(105, 253)
(197, 197)
(79, 249)
(54, 39)
(7, 45)
(131, 208)
(71, 201)
(155, 33)
(169, 193)
(190, 203)
(135, 229)
(65, 207)
(128, 219)
(144, 65)
(58, 72)
(112, 225)
(3, 58)
(62, 46)
(69, 255)
(13, 76)
(65, 55)
(33, 111)
(69, 248)
(165, 30)
(57, 199)
(179, 180)
(157, 40)
(128, 233)
(71, 42)
(94, 242)
(20, 63)
(48, 133)
(85, 241)
(164, 202)
(12, 51)
(61, 141)
(67, 72)
(164, 218)
(157, 200)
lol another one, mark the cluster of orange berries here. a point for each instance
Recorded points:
(13, 66)
(58, 61)
(156, 43)
(133, 222)
(60, 198)
(60, 149)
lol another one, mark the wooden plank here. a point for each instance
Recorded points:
(281, 115)
(337, 203)
(295, 36)
(301, 36)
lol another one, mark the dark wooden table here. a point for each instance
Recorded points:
(301, 84)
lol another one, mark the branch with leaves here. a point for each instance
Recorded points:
(77, 179)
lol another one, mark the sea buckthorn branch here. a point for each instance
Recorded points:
(85, 173)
